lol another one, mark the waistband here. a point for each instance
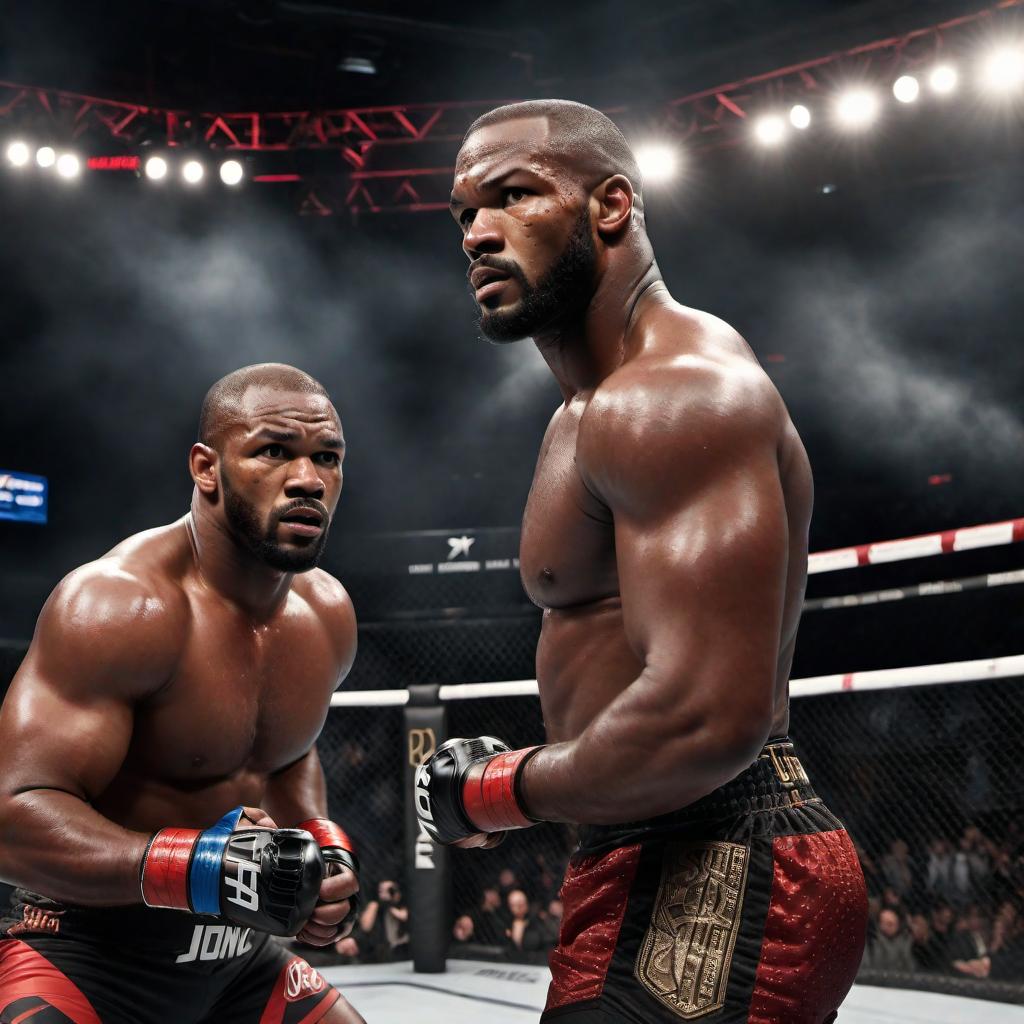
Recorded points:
(29, 914)
(775, 781)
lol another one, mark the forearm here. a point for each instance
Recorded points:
(297, 793)
(638, 759)
(54, 843)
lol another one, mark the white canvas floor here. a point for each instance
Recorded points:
(510, 994)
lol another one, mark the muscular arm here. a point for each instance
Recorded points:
(104, 641)
(687, 464)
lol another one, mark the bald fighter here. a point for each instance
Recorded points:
(665, 537)
(162, 804)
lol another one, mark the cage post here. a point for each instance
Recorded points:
(429, 873)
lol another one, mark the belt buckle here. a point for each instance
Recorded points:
(787, 766)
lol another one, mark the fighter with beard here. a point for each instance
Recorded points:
(665, 537)
(162, 804)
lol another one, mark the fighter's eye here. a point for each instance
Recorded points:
(327, 458)
(466, 217)
(515, 195)
(275, 451)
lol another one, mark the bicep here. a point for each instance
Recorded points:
(702, 573)
(101, 645)
(55, 736)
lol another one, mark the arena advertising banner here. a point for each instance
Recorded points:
(23, 497)
(438, 552)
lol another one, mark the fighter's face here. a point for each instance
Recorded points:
(525, 223)
(280, 471)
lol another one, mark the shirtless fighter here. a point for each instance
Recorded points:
(665, 537)
(185, 673)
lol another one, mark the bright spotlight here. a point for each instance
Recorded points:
(1003, 69)
(800, 117)
(46, 156)
(155, 168)
(18, 153)
(68, 165)
(906, 88)
(856, 108)
(192, 172)
(943, 79)
(231, 172)
(770, 130)
(658, 162)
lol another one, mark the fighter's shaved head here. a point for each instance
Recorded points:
(582, 138)
(223, 402)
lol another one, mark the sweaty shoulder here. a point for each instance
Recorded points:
(330, 601)
(119, 622)
(689, 400)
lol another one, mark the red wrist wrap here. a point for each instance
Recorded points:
(491, 797)
(165, 868)
(327, 833)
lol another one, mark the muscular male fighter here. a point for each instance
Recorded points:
(187, 672)
(665, 537)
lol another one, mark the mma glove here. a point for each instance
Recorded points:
(266, 879)
(471, 786)
(338, 852)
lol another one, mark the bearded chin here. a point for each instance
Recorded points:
(562, 294)
(244, 522)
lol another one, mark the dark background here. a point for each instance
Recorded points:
(878, 279)
(888, 311)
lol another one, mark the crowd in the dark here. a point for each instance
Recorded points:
(952, 907)
(515, 917)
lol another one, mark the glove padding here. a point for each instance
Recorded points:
(470, 786)
(266, 879)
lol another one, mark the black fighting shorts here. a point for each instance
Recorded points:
(137, 965)
(747, 906)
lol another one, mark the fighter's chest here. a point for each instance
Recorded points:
(567, 549)
(242, 699)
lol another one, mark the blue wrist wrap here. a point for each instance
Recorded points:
(205, 871)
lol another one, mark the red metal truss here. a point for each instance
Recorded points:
(368, 182)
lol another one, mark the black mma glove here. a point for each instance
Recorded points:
(470, 786)
(266, 879)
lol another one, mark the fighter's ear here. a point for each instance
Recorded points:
(615, 205)
(202, 464)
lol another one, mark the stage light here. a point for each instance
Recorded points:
(18, 153)
(358, 66)
(658, 162)
(46, 156)
(68, 165)
(906, 88)
(193, 172)
(943, 79)
(231, 172)
(770, 130)
(1003, 69)
(800, 117)
(155, 168)
(856, 109)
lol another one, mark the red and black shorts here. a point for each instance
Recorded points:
(747, 906)
(136, 965)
